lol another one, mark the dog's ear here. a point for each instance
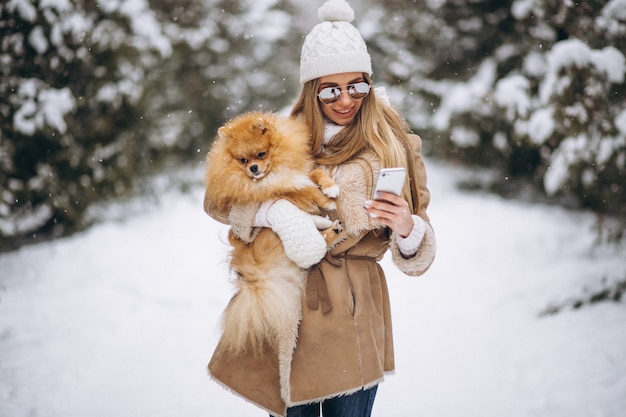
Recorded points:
(222, 133)
(260, 125)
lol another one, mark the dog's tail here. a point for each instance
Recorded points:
(266, 308)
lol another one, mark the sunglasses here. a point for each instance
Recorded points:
(357, 91)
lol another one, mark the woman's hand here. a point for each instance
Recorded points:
(392, 211)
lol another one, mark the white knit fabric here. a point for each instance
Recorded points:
(260, 219)
(410, 244)
(334, 46)
(302, 242)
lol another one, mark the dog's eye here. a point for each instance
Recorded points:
(261, 155)
(243, 160)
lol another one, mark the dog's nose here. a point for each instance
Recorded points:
(254, 168)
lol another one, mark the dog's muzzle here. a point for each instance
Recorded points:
(254, 172)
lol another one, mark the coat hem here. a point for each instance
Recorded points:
(338, 394)
(232, 391)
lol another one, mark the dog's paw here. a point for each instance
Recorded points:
(331, 235)
(322, 223)
(332, 191)
(337, 226)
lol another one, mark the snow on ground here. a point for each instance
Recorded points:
(121, 320)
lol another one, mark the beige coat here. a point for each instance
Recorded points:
(345, 338)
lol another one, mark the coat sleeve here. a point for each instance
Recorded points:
(420, 262)
(240, 219)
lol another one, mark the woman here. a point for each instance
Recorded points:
(344, 346)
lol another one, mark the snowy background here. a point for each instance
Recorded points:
(121, 320)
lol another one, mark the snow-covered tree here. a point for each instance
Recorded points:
(228, 57)
(533, 88)
(94, 94)
(71, 76)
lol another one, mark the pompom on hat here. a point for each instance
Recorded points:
(334, 46)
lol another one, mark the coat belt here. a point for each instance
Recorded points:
(316, 289)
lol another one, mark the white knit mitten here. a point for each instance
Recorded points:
(303, 244)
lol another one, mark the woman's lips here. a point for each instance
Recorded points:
(345, 112)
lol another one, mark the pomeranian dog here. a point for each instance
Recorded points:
(258, 157)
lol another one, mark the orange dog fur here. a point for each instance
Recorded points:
(259, 157)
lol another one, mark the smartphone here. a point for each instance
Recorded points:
(390, 180)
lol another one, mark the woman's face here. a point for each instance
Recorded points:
(344, 110)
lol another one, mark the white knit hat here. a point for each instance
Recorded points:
(334, 46)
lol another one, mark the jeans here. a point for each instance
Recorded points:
(358, 404)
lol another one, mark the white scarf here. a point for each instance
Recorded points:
(330, 130)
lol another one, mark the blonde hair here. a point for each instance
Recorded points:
(377, 127)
